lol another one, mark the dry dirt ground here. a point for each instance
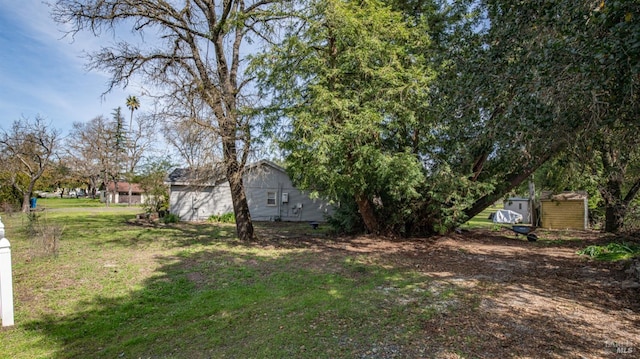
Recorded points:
(521, 299)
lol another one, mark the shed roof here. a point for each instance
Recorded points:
(189, 176)
(563, 196)
(209, 177)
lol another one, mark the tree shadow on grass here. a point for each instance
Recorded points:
(228, 303)
(186, 234)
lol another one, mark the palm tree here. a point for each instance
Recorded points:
(133, 104)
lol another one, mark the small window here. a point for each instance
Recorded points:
(519, 205)
(271, 198)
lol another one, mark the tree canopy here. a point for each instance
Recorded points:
(350, 81)
(425, 114)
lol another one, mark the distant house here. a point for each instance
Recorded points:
(122, 195)
(519, 205)
(270, 194)
(567, 210)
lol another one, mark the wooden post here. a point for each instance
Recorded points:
(532, 203)
(6, 280)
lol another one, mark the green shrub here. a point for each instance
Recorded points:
(591, 251)
(10, 198)
(171, 218)
(612, 251)
(223, 218)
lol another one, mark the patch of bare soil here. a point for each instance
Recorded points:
(519, 299)
(537, 300)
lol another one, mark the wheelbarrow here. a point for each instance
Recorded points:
(524, 230)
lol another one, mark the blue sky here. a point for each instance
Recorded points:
(42, 73)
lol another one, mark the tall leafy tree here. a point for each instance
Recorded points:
(568, 70)
(530, 81)
(614, 69)
(503, 100)
(118, 149)
(196, 52)
(349, 82)
(504, 85)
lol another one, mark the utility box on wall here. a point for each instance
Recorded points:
(567, 210)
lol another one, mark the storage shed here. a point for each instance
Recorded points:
(567, 210)
(519, 205)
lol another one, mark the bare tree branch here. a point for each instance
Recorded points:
(30, 148)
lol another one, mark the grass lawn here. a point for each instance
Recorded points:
(481, 220)
(117, 289)
(48, 203)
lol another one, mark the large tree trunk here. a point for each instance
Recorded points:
(26, 196)
(234, 171)
(615, 205)
(244, 226)
(614, 217)
(92, 186)
(365, 207)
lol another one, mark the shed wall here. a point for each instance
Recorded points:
(564, 214)
(198, 204)
(193, 203)
(265, 180)
(519, 205)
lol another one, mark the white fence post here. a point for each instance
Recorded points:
(6, 281)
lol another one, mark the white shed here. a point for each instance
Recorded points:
(519, 205)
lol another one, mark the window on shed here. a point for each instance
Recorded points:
(271, 198)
